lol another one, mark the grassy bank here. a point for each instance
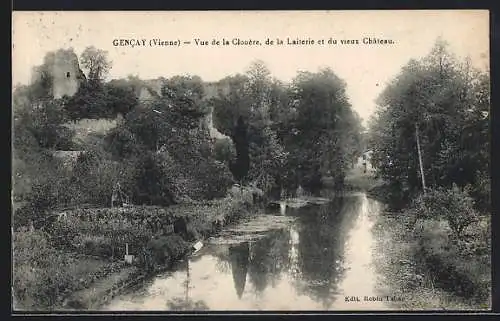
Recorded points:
(405, 273)
(435, 252)
(79, 264)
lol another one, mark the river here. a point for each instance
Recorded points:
(321, 256)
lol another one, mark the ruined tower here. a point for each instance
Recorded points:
(60, 73)
(66, 73)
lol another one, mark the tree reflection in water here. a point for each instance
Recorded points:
(239, 257)
(308, 257)
(186, 303)
(321, 248)
(269, 258)
(310, 252)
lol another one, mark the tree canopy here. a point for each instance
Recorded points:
(447, 100)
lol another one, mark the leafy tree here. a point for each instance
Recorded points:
(438, 100)
(282, 120)
(96, 62)
(121, 99)
(97, 100)
(172, 146)
(224, 150)
(90, 101)
(45, 125)
(454, 205)
(320, 113)
(241, 166)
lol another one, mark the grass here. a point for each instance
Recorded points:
(402, 276)
(100, 290)
(45, 281)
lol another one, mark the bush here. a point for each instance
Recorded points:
(96, 245)
(161, 252)
(94, 178)
(224, 150)
(45, 194)
(100, 232)
(214, 180)
(40, 272)
(452, 242)
(453, 205)
(459, 265)
(465, 271)
(481, 191)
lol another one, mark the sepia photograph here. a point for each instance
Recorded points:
(251, 161)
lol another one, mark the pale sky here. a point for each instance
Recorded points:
(365, 68)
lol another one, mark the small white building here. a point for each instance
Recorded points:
(365, 160)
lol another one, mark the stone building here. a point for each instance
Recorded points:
(60, 73)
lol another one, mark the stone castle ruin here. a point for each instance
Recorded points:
(60, 73)
(211, 90)
(151, 89)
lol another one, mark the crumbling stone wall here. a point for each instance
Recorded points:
(60, 73)
(66, 74)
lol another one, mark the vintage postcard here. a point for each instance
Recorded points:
(251, 161)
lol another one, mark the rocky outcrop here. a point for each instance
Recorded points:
(214, 132)
(149, 89)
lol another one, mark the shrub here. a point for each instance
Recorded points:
(459, 265)
(40, 272)
(481, 191)
(455, 267)
(451, 242)
(453, 205)
(97, 245)
(45, 195)
(214, 180)
(224, 150)
(161, 252)
(93, 180)
(100, 232)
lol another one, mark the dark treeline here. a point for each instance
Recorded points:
(297, 134)
(445, 103)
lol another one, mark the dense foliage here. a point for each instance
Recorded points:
(433, 118)
(446, 102)
(95, 100)
(274, 124)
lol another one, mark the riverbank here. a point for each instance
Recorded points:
(405, 277)
(404, 257)
(80, 265)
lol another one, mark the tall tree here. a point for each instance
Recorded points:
(242, 163)
(322, 115)
(425, 115)
(96, 62)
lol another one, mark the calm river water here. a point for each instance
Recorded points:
(314, 263)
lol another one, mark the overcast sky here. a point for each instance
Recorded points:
(365, 68)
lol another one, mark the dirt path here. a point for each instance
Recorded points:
(95, 295)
